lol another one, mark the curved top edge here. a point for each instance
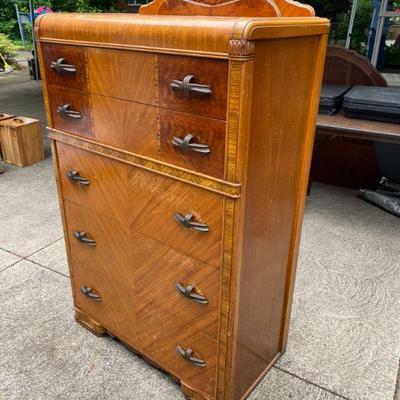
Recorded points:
(194, 33)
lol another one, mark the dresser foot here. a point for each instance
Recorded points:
(89, 323)
(191, 394)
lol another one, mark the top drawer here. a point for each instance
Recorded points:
(193, 85)
(65, 66)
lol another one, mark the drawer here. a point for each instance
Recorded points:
(160, 276)
(159, 334)
(65, 66)
(123, 74)
(94, 181)
(157, 202)
(180, 94)
(193, 142)
(70, 111)
(126, 125)
(99, 269)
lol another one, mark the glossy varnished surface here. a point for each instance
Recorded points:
(124, 75)
(206, 72)
(257, 119)
(126, 125)
(153, 201)
(73, 56)
(78, 102)
(107, 192)
(206, 131)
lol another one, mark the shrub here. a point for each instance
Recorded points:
(7, 49)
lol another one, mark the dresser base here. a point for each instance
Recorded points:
(97, 329)
(89, 323)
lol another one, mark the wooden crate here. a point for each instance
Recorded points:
(21, 141)
(3, 117)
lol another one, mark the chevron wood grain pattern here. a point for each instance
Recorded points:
(133, 125)
(206, 72)
(153, 202)
(166, 333)
(205, 131)
(258, 118)
(72, 56)
(156, 271)
(78, 102)
(107, 192)
(108, 68)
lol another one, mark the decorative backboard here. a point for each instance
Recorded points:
(232, 8)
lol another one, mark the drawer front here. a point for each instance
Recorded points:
(65, 66)
(94, 181)
(179, 284)
(159, 334)
(192, 142)
(99, 264)
(70, 111)
(126, 125)
(180, 94)
(157, 204)
(126, 75)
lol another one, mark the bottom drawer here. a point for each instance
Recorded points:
(194, 362)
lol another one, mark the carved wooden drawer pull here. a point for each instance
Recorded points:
(187, 145)
(89, 293)
(188, 291)
(65, 111)
(189, 355)
(75, 177)
(187, 222)
(187, 86)
(61, 66)
(83, 238)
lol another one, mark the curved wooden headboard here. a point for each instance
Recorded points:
(231, 8)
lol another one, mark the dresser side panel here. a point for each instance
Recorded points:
(287, 79)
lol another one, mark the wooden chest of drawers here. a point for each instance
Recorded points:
(182, 140)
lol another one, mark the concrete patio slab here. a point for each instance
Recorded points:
(7, 259)
(29, 209)
(46, 355)
(345, 323)
(53, 257)
(279, 385)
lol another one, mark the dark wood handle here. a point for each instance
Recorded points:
(65, 110)
(75, 177)
(88, 292)
(187, 222)
(83, 238)
(61, 66)
(187, 86)
(188, 291)
(186, 144)
(189, 355)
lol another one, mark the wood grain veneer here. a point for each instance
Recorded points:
(206, 131)
(258, 119)
(133, 125)
(154, 200)
(70, 55)
(78, 102)
(107, 69)
(206, 72)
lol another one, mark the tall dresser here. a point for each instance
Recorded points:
(182, 140)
